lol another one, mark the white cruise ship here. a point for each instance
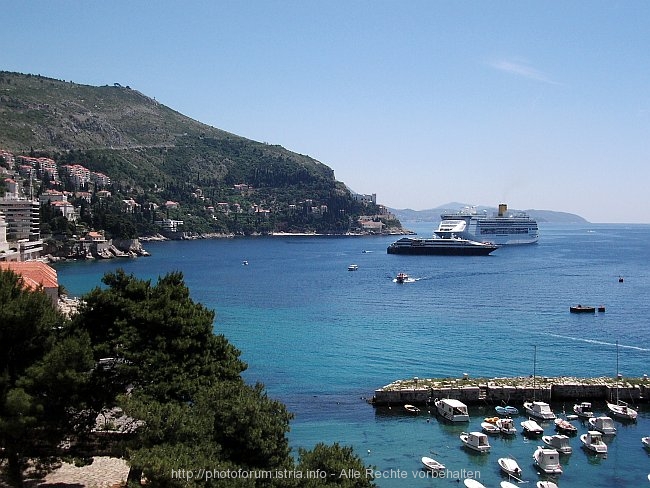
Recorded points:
(503, 228)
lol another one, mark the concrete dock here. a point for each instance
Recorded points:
(515, 390)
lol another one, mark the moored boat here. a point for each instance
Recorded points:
(604, 425)
(593, 441)
(507, 410)
(622, 411)
(489, 428)
(452, 410)
(509, 466)
(476, 441)
(432, 465)
(540, 410)
(545, 484)
(565, 426)
(547, 460)
(412, 409)
(582, 309)
(506, 426)
(471, 483)
(583, 410)
(646, 442)
(532, 428)
(559, 442)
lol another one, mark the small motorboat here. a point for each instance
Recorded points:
(507, 484)
(565, 426)
(604, 425)
(476, 441)
(353, 267)
(506, 426)
(509, 466)
(559, 442)
(471, 483)
(412, 409)
(546, 484)
(401, 278)
(244, 263)
(646, 442)
(432, 465)
(532, 428)
(593, 441)
(547, 460)
(507, 410)
(490, 428)
(539, 410)
(583, 410)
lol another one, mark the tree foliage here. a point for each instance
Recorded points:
(44, 370)
(150, 350)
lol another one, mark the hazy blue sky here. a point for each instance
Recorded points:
(539, 104)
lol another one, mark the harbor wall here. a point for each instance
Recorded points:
(494, 394)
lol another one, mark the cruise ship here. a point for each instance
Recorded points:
(451, 238)
(504, 228)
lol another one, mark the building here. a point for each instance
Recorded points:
(365, 199)
(23, 225)
(7, 253)
(36, 274)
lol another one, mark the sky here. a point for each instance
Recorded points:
(538, 104)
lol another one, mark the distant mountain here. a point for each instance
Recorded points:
(433, 214)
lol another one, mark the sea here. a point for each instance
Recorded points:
(322, 338)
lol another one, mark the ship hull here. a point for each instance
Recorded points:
(441, 250)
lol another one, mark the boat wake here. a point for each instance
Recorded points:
(600, 343)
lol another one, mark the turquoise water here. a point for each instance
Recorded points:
(322, 338)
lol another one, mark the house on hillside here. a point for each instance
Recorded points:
(36, 274)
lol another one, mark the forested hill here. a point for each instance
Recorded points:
(154, 154)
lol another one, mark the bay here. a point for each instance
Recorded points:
(322, 338)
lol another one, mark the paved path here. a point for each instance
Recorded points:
(104, 472)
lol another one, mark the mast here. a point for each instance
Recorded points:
(616, 372)
(534, 371)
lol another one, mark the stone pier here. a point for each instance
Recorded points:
(498, 391)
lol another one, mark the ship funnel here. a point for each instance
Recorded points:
(503, 208)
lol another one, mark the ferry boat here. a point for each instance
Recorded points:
(504, 228)
(451, 238)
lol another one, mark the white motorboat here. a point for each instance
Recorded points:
(547, 460)
(531, 427)
(452, 410)
(539, 410)
(509, 466)
(353, 267)
(470, 483)
(559, 442)
(477, 441)
(604, 425)
(546, 484)
(432, 465)
(565, 426)
(506, 426)
(412, 409)
(583, 410)
(622, 411)
(507, 484)
(593, 441)
(646, 442)
(490, 428)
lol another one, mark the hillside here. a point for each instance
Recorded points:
(153, 154)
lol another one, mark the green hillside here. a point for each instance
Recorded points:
(154, 154)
